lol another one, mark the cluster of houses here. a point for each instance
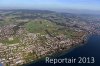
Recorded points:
(7, 32)
(40, 45)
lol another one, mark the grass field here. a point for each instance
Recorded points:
(7, 41)
(39, 26)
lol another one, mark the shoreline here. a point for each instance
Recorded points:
(61, 52)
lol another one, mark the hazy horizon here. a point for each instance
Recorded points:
(77, 6)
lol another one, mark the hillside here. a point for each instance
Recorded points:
(29, 35)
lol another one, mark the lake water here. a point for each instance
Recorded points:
(90, 49)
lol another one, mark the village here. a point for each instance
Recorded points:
(31, 46)
(27, 36)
